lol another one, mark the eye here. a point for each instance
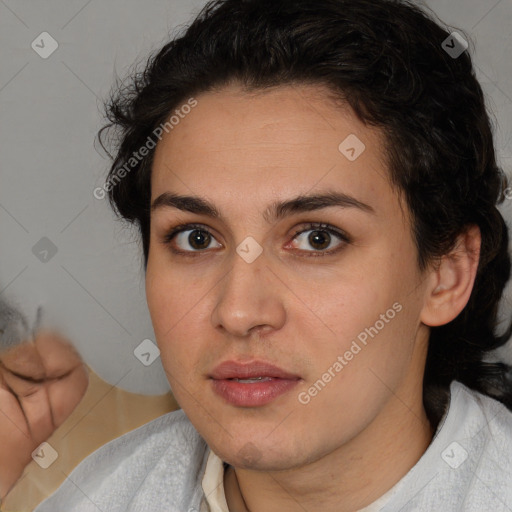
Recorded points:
(321, 237)
(190, 238)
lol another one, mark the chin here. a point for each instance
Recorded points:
(251, 454)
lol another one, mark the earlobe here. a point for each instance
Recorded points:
(452, 280)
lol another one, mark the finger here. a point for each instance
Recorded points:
(66, 393)
(34, 403)
(24, 361)
(57, 355)
(13, 423)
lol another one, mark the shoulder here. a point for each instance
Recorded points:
(488, 425)
(480, 449)
(169, 435)
(468, 464)
(481, 416)
(170, 430)
(159, 459)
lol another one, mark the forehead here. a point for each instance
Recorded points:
(238, 144)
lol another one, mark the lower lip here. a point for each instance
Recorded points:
(252, 394)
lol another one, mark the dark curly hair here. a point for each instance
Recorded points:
(386, 59)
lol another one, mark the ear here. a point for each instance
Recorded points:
(451, 281)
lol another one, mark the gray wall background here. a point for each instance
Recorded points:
(61, 248)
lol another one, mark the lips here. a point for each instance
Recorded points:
(251, 384)
(252, 370)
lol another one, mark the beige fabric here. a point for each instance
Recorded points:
(213, 485)
(105, 412)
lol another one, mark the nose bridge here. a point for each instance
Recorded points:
(247, 298)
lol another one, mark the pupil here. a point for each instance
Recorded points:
(319, 238)
(199, 239)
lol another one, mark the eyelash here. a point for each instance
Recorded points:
(311, 226)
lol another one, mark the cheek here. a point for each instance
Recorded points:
(168, 294)
(369, 323)
(175, 308)
(352, 373)
(345, 304)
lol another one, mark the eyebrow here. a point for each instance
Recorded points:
(273, 213)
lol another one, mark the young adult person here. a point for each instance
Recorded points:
(324, 260)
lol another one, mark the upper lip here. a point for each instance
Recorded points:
(248, 370)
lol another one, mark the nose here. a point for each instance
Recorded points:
(249, 299)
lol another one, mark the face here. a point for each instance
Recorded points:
(321, 297)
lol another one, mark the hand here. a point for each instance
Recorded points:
(41, 383)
